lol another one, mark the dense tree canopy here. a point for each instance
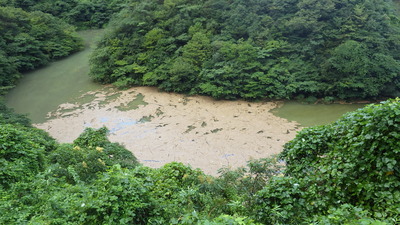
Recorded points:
(30, 40)
(81, 13)
(255, 48)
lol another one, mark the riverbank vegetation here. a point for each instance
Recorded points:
(29, 40)
(36, 32)
(254, 49)
(343, 173)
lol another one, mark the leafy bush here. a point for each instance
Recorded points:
(234, 190)
(175, 189)
(349, 215)
(194, 218)
(352, 161)
(22, 154)
(116, 197)
(90, 153)
(283, 201)
(92, 137)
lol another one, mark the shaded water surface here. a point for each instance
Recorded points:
(313, 114)
(42, 90)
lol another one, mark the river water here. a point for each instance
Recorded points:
(313, 114)
(42, 90)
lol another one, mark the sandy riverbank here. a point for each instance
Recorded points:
(195, 130)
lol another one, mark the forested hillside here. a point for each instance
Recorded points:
(83, 14)
(29, 40)
(254, 49)
(343, 173)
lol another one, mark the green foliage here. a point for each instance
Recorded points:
(283, 201)
(254, 49)
(116, 197)
(21, 154)
(175, 189)
(355, 71)
(352, 161)
(349, 215)
(238, 187)
(31, 40)
(116, 153)
(81, 13)
(90, 154)
(23, 148)
(194, 218)
(92, 137)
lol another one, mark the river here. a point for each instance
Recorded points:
(160, 127)
(42, 90)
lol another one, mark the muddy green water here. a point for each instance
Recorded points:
(42, 90)
(313, 114)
